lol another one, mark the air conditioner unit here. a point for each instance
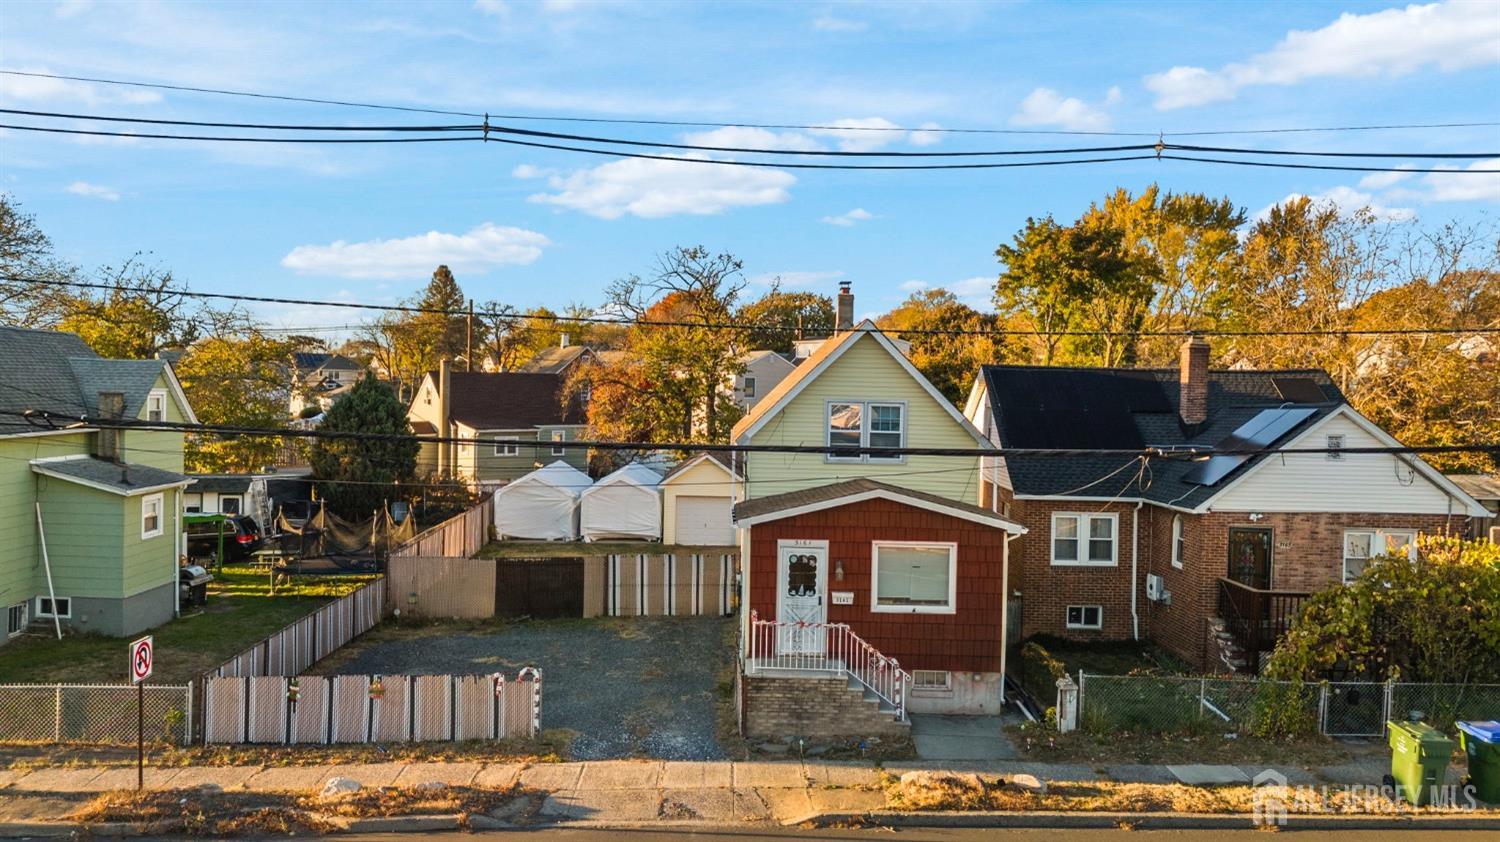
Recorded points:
(1155, 587)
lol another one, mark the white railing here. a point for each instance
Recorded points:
(831, 648)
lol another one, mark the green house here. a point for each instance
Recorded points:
(90, 524)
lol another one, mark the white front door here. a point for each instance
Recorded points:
(801, 598)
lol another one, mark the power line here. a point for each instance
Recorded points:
(1188, 452)
(752, 326)
(229, 139)
(1291, 166)
(740, 124)
(467, 127)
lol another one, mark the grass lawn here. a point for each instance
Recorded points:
(241, 610)
(568, 549)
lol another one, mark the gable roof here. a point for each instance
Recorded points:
(58, 372)
(554, 360)
(488, 400)
(712, 456)
(833, 495)
(1113, 408)
(827, 354)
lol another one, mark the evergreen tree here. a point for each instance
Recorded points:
(445, 334)
(356, 476)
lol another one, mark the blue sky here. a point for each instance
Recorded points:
(530, 227)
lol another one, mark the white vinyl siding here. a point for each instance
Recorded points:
(916, 578)
(1356, 482)
(1085, 539)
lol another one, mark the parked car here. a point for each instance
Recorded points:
(242, 537)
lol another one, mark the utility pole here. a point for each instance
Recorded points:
(469, 338)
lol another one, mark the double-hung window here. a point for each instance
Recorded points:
(914, 578)
(1362, 545)
(1179, 542)
(855, 424)
(151, 516)
(559, 435)
(156, 405)
(1084, 539)
(507, 446)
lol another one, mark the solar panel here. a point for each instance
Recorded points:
(1264, 430)
(1299, 389)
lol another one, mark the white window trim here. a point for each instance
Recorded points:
(156, 396)
(864, 430)
(40, 614)
(1377, 546)
(945, 687)
(559, 435)
(950, 608)
(161, 515)
(25, 617)
(1084, 626)
(747, 386)
(1179, 537)
(503, 449)
(1083, 539)
(239, 498)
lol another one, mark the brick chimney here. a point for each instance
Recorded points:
(845, 308)
(1192, 381)
(107, 441)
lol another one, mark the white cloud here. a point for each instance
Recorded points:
(847, 219)
(913, 286)
(1046, 107)
(753, 138)
(93, 191)
(494, 8)
(1459, 187)
(926, 135)
(861, 134)
(55, 90)
(830, 23)
(531, 171)
(1392, 42)
(560, 5)
(1113, 96)
(1346, 199)
(1382, 180)
(654, 188)
(486, 247)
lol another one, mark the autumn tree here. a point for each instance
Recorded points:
(236, 380)
(358, 474)
(26, 253)
(807, 315)
(949, 361)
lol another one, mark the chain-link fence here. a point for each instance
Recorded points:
(93, 713)
(1167, 705)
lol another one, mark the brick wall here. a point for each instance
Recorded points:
(967, 640)
(822, 708)
(1047, 590)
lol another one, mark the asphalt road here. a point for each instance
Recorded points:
(683, 834)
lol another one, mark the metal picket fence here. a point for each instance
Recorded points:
(1153, 704)
(372, 709)
(93, 713)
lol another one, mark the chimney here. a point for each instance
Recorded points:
(107, 441)
(444, 448)
(1192, 381)
(845, 308)
(562, 340)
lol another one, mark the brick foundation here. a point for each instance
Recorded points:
(821, 708)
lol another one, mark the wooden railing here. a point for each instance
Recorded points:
(1256, 617)
(826, 647)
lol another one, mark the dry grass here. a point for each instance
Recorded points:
(202, 812)
(1041, 743)
(548, 749)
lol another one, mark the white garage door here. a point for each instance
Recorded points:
(704, 520)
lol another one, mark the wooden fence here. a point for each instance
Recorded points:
(372, 709)
(641, 584)
(310, 639)
(460, 536)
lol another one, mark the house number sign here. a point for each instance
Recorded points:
(843, 597)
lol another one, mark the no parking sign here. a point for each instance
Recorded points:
(140, 660)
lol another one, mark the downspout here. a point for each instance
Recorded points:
(1135, 554)
(47, 565)
(177, 553)
(1004, 610)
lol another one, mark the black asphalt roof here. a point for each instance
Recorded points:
(1115, 408)
(58, 372)
(121, 479)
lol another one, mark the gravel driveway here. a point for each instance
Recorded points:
(628, 687)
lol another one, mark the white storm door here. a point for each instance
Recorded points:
(801, 597)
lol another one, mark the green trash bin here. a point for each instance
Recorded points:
(1480, 742)
(1419, 759)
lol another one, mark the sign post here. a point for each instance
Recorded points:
(141, 662)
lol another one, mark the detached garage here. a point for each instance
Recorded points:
(698, 499)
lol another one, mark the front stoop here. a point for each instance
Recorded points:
(819, 707)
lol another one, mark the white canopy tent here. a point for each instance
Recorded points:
(542, 505)
(625, 504)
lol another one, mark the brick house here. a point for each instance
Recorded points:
(1208, 558)
(874, 584)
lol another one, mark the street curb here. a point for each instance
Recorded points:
(1148, 821)
(397, 824)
